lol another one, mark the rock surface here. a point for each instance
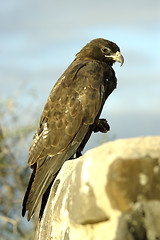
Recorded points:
(112, 192)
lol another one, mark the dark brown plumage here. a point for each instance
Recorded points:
(70, 115)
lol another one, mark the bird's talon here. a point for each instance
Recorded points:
(102, 126)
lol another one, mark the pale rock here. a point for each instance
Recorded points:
(112, 192)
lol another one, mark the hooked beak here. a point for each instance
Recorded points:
(117, 57)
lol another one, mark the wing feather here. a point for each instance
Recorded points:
(67, 108)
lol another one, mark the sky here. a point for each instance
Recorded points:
(39, 39)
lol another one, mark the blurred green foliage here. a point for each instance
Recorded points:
(15, 139)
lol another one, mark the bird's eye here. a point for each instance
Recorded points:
(106, 50)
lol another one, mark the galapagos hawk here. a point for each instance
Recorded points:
(70, 115)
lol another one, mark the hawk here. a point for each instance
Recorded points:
(70, 115)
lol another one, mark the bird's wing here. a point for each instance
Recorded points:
(72, 106)
(75, 100)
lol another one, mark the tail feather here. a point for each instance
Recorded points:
(43, 175)
(28, 190)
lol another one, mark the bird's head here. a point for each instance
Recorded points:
(102, 50)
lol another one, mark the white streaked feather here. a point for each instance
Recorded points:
(63, 77)
(45, 136)
(45, 131)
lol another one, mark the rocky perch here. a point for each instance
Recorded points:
(111, 193)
